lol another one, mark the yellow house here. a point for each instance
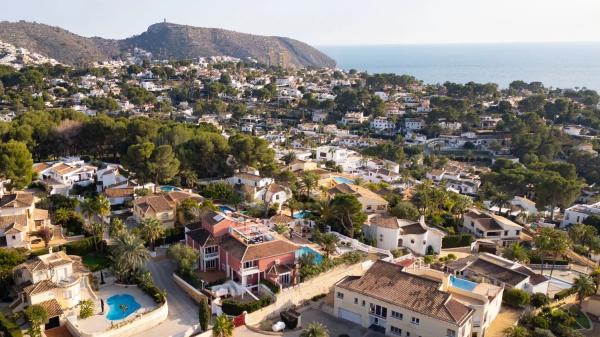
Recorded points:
(397, 303)
(371, 201)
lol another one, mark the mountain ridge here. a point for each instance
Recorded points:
(165, 41)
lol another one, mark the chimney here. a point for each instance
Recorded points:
(422, 220)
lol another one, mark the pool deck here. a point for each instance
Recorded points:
(98, 322)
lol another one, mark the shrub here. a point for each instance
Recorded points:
(539, 300)
(430, 250)
(317, 297)
(80, 247)
(271, 285)
(542, 333)
(204, 314)
(563, 293)
(515, 297)
(86, 308)
(9, 328)
(454, 241)
(540, 322)
(233, 308)
(397, 252)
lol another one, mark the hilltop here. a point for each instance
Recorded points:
(164, 41)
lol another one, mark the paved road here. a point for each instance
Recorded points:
(183, 311)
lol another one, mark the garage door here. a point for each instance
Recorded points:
(350, 316)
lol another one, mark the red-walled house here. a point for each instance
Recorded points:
(242, 250)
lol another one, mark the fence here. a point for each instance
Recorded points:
(363, 247)
(304, 291)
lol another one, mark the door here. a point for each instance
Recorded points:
(350, 316)
(52, 323)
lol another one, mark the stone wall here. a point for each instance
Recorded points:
(136, 325)
(194, 293)
(292, 296)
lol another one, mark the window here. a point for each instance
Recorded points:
(505, 233)
(364, 303)
(415, 320)
(340, 295)
(211, 264)
(211, 250)
(412, 241)
(407, 334)
(450, 333)
(355, 300)
(249, 264)
(377, 310)
(395, 330)
(369, 207)
(517, 232)
(380, 237)
(397, 315)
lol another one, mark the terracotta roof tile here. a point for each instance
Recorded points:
(387, 282)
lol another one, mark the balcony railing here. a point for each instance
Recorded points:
(210, 256)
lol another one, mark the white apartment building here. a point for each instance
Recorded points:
(578, 213)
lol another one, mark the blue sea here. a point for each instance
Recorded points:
(563, 65)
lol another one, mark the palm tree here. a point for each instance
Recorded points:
(595, 275)
(584, 286)
(309, 182)
(315, 330)
(293, 204)
(500, 200)
(516, 331)
(552, 241)
(329, 243)
(516, 252)
(129, 255)
(88, 208)
(152, 230)
(102, 207)
(223, 327)
(116, 227)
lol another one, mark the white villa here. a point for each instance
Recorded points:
(391, 233)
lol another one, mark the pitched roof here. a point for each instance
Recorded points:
(52, 308)
(413, 228)
(387, 282)
(269, 249)
(39, 167)
(201, 236)
(16, 200)
(385, 221)
(7, 221)
(119, 192)
(355, 190)
(503, 274)
(39, 287)
(156, 203)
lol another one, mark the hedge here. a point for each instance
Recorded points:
(272, 286)
(153, 291)
(564, 293)
(9, 328)
(460, 240)
(233, 308)
(80, 247)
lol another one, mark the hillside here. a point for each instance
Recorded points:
(165, 41)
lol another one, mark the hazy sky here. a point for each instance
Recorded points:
(330, 22)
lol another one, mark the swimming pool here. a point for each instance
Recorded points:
(121, 306)
(462, 283)
(342, 180)
(225, 209)
(169, 188)
(307, 250)
(301, 214)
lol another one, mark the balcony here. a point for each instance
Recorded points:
(210, 256)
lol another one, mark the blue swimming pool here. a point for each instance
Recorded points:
(225, 209)
(301, 214)
(462, 283)
(307, 250)
(121, 306)
(169, 188)
(342, 180)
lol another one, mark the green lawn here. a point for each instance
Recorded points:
(582, 320)
(96, 262)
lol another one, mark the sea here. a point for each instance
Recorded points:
(557, 65)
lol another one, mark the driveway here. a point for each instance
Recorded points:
(336, 326)
(183, 312)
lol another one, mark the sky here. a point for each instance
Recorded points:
(330, 22)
